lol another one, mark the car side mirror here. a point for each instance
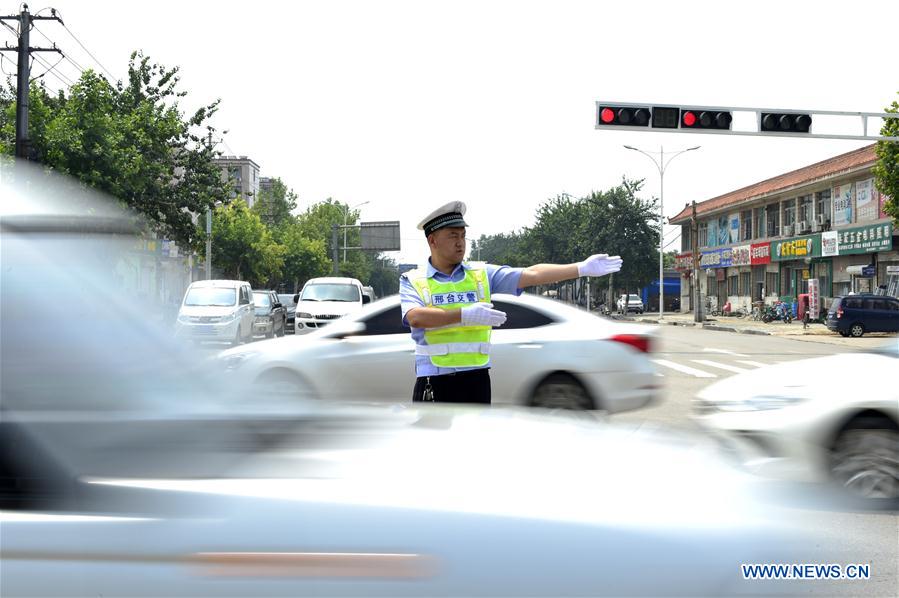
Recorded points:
(366, 299)
(296, 298)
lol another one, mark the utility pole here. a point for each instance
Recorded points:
(697, 293)
(24, 50)
(209, 231)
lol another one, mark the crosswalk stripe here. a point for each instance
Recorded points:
(720, 366)
(724, 351)
(752, 363)
(685, 369)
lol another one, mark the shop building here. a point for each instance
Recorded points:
(765, 242)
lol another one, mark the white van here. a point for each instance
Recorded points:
(217, 310)
(323, 300)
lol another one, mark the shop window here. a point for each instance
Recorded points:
(759, 231)
(732, 285)
(746, 284)
(789, 208)
(703, 234)
(772, 213)
(804, 213)
(772, 283)
(822, 207)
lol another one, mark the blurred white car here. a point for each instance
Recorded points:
(547, 354)
(829, 418)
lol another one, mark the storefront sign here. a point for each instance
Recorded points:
(892, 270)
(842, 204)
(683, 262)
(814, 298)
(797, 249)
(742, 255)
(866, 239)
(717, 258)
(830, 243)
(760, 253)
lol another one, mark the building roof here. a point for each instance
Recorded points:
(829, 168)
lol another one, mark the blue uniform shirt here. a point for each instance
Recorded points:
(502, 279)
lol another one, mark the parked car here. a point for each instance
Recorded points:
(217, 310)
(630, 303)
(370, 293)
(290, 307)
(325, 299)
(547, 355)
(271, 317)
(831, 418)
(854, 315)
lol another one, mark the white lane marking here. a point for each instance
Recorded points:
(685, 369)
(724, 351)
(752, 363)
(720, 366)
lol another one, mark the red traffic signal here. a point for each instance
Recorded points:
(624, 116)
(786, 122)
(705, 119)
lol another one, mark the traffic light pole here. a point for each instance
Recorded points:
(694, 252)
(661, 165)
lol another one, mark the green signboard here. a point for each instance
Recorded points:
(796, 249)
(865, 239)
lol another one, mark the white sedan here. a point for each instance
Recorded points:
(547, 354)
(829, 418)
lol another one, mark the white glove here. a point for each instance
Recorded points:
(599, 264)
(481, 314)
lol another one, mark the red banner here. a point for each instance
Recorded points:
(683, 261)
(760, 253)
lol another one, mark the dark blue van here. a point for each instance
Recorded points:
(854, 315)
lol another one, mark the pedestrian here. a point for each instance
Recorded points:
(446, 303)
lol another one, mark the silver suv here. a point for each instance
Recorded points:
(630, 303)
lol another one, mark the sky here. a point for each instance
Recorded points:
(407, 105)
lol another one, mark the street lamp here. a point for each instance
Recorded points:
(661, 165)
(346, 214)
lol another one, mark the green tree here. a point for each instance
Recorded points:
(316, 223)
(304, 258)
(275, 206)
(243, 247)
(886, 171)
(130, 140)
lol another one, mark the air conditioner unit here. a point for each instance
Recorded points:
(819, 219)
(815, 227)
(788, 230)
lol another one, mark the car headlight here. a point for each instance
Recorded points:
(303, 314)
(229, 317)
(758, 403)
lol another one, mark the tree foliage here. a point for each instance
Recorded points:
(243, 247)
(275, 205)
(130, 140)
(886, 171)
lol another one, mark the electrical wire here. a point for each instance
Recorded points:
(50, 70)
(69, 31)
(66, 56)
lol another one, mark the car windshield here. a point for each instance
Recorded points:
(211, 296)
(262, 299)
(633, 297)
(330, 292)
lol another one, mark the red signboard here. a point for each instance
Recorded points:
(760, 253)
(683, 261)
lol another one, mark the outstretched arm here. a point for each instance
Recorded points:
(599, 264)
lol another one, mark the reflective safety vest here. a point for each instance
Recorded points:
(455, 345)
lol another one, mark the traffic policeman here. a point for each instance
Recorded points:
(446, 303)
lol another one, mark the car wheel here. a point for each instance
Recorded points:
(864, 460)
(561, 391)
(856, 330)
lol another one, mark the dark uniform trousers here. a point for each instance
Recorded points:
(471, 386)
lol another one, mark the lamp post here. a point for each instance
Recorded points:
(661, 165)
(346, 214)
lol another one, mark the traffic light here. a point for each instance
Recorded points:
(623, 116)
(787, 122)
(705, 119)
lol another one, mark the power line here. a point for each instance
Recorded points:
(69, 31)
(66, 56)
(50, 70)
(64, 79)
